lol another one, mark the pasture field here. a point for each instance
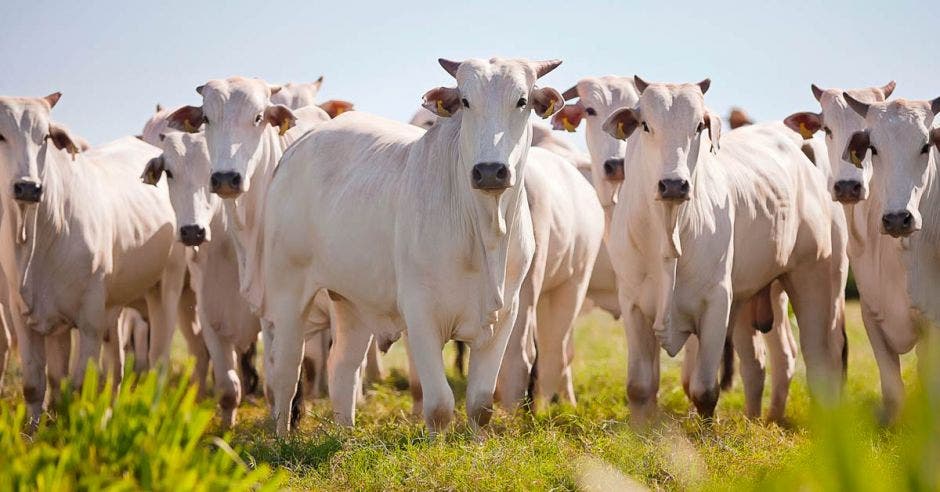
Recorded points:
(588, 447)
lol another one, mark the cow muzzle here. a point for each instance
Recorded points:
(847, 191)
(613, 170)
(490, 176)
(228, 184)
(27, 191)
(192, 235)
(898, 224)
(673, 190)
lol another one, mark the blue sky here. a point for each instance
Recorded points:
(114, 60)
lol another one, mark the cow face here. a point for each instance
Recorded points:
(493, 100)
(185, 162)
(848, 181)
(598, 98)
(671, 121)
(903, 149)
(26, 131)
(241, 126)
(296, 96)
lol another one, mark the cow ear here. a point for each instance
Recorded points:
(186, 119)
(713, 123)
(153, 171)
(738, 118)
(336, 107)
(546, 101)
(62, 140)
(569, 117)
(935, 138)
(622, 123)
(442, 101)
(861, 108)
(280, 117)
(858, 145)
(805, 123)
(52, 99)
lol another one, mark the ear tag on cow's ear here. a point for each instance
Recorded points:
(339, 110)
(188, 127)
(550, 111)
(853, 156)
(620, 133)
(282, 129)
(805, 132)
(440, 109)
(73, 150)
(567, 124)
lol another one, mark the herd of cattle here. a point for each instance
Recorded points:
(333, 232)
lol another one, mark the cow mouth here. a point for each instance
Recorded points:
(847, 200)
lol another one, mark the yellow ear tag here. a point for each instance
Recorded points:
(440, 109)
(550, 111)
(804, 132)
(567, 124)
(188, 127)
(853, 156)
(620, 133)
(282, 129)
(73, 151)
(340, 110)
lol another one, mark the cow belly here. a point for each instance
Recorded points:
(138, 267)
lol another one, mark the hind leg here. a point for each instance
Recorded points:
(351, 340)
(782, 349)
(750, 352)
(516, 369)
(557, 311)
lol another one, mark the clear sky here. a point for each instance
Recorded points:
(113, 61)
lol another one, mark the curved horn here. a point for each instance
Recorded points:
(543, 67)
(704, 85)
(641, 84)
(858, 106)
(450, 66)
(571, 93)
(817, 92)
(53, 98)
(888, 88)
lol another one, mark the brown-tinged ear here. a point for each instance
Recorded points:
(858, 106)
(704, 85)
(280, 117)
(858, 145)
(805, 123)
(713, 123)
(336, 107)
(52, 99)
(935, 137)
(153, 171)
(571, 93)
(442, 101)
(450, 66)
(569, 117)
(738, 118)
(62, 140)
(887, 89)
(817, 92)
(622, 123)
(640, 84)
(546, 101)
(186, 119)
(200, 88)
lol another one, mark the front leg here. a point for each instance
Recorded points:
(642, 364)
(485, 357)
(713, 328)
(426, 344)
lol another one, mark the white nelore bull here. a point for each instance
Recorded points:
(697, 231)
(81, 238)
(597, 98)
(876, 260)
(408, 230)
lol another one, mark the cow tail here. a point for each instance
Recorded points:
(727, 364)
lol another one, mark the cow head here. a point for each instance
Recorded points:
(598, 97)
(671, 121)
(493, 100)
(423, 118)
(241, 125)
(903, 149)
(296, 96)
(185, 162)
(27, 136)
(848, 181)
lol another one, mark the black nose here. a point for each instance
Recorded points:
(27, 191)
(674, 189)
(226, 184)
(490, 176)
(613, 169)
(192, 235)
(847, 191)
(898, 223)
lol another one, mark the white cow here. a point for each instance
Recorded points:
(697, 231)
(424, 230)
(876, 260)
(81, 238)
(598, 97)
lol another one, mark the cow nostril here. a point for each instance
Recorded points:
(857, 189)
(214, 182)
(662, 186)
(17, 189)
(502, 172)
(907, 219)
(477, 175)
(608, 168)
(236, 180)
(685, 186)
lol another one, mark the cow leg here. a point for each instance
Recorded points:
(351, 340)
(6, 339)
(161, 335)
(33, 360)
(513, 379)
(750, 350)
(58, 350)
(781, 349)
(170, 290)
(555, 324)
(89, 349)
(189, 323)
(426, 345)
(713, 328)
(689, 363)
(114, 348)
(227, 384)
(485, 359)
(889, 366)
(414, 383)
(314, 371)
(267, 339)
(642, 365)
(288, 348)
(375, 373)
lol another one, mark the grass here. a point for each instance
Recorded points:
(591, 447)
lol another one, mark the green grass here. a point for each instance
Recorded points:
(591, 446)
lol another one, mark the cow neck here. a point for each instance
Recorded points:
(930, 203)
(245, 215)
(489, 220)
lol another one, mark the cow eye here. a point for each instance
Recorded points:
(646, 127)
(169, 175)
(465, 103)
(828, 131)
(205, 120)
(2, 138)
(590, 112)
(923, 150)
(258, 119)
(521, 102)
(874, 151)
